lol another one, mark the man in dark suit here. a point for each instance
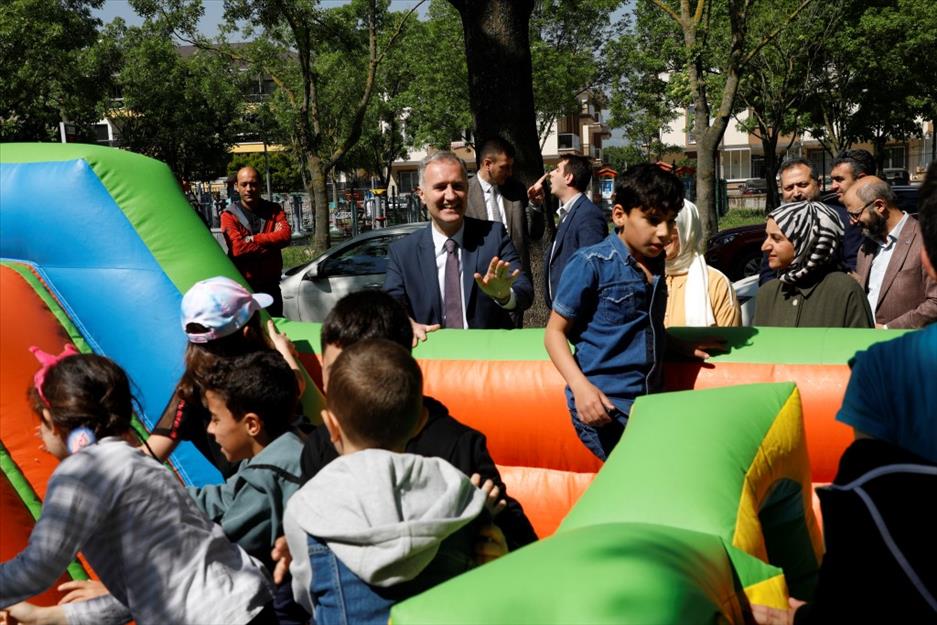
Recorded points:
(458, 272)
(582, 223)
(901, 292)
(495, 195)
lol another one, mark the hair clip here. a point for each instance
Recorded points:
(47, 360)
(80, 438)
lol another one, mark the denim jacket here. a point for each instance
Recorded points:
(618, 320)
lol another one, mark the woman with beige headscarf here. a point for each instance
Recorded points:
(697, 294)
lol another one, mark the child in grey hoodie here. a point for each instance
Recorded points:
(376, 526)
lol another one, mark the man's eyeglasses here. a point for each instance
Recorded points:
(856, 215)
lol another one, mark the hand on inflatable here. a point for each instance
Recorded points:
(496, 283)
(592, 405)
(490, 545)
(420, 330)
(280, 341)
(280, 554)
(774, 616)
(494, 503)
(285, 348)
(28, 614)
(700, 349)
(81, 590)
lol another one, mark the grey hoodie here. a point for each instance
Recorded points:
(383, 514)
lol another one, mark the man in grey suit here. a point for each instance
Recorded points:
(495, 195)
(901, 292)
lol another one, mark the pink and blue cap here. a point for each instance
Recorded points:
(221, 305)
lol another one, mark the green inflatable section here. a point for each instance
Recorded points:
(615, 573)
(804, 346)
(726, 466)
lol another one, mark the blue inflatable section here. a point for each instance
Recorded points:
(59, 217)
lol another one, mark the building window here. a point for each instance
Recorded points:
(407, 181)
(758, 166)
(896, 156)
(736, 164)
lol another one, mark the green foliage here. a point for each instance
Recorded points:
(566, 37)
(181, 107)
(879, 73)
(53, 66)
(435, 99)
(623, 157)
(285, 169)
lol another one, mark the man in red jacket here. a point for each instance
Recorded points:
(255, 231)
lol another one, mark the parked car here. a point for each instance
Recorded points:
(896, 176)
(736, 252)
(753, 186)
(311, 290)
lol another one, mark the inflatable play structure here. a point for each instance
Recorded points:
(705, 506)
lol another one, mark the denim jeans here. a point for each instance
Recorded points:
(340, 596)
(600, 440)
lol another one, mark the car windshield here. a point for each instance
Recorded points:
(366, 257)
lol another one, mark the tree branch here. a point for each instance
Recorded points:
(666, 9)
(775, 32)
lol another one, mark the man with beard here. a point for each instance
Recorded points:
(801, 183)
(901, 293)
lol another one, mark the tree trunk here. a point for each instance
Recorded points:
(320, 203)
(769, 145)
(497, 52)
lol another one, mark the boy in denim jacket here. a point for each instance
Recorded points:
(610, 305)
(376, 526)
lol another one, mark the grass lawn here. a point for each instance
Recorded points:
(296, 254)
(741, 217)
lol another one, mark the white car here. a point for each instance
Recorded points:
(312, 289)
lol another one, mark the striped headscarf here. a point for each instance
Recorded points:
(816, 232)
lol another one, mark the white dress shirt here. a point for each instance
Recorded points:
(880, 262)
(488, 189)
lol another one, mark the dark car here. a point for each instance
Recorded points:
(754, 186)
(736, 252)
(896, 176)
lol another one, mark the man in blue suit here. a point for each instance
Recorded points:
(582, 223)
(458, 272)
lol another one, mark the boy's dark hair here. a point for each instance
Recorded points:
(794, 162)
(860, 161)
(261, 383)
(494, 146)
(650, 188)
(366, 315)
(927, 212)
(376, 393)
(199, 357)
(86, 390)
(581, 169)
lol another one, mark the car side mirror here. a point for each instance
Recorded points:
(313, 272)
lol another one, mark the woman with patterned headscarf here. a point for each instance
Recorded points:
(812, 289)
(697, 295)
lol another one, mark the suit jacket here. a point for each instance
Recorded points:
(514, 196)
(412, 277)
(908, 297)
(584, 225)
